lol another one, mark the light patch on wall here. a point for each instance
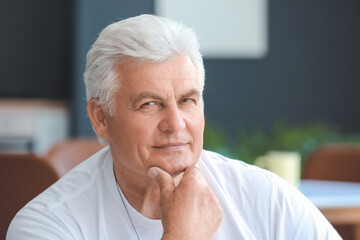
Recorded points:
(225, 28)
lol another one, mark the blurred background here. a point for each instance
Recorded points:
(308, 76)
(301, 93)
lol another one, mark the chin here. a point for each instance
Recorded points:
(174, 167)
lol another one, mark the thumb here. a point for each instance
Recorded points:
(163, 179)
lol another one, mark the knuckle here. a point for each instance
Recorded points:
(162, 181)
(195, 171)
(195, 182)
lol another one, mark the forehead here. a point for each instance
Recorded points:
(177, 74)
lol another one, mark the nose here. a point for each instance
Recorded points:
(172, 121)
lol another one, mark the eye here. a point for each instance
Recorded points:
(188, 100)
(151, 103)
(149, 106)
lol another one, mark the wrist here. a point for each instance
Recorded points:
(174, 235)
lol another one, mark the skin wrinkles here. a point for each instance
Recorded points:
(194, 93)
(159, 122)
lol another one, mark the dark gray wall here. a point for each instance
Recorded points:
(35, 48)
(310, 74)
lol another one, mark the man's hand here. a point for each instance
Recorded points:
(190, 210)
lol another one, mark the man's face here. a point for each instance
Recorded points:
(159, 118)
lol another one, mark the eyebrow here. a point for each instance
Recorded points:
(192, 92)
(152, 95)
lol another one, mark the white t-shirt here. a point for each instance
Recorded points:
(86, 204)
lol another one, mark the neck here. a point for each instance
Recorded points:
(140, 191)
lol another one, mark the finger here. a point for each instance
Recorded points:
(194, 172)
(163, 179)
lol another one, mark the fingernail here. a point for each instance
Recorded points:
(153, 173)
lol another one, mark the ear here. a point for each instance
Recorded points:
(97, 118)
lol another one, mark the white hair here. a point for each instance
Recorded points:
(142, 38)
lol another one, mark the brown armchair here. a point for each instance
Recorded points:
(22, 177)
(337, 162)
(69, 153)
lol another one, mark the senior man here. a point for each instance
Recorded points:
(144, 81)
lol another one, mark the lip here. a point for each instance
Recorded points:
(171, 146)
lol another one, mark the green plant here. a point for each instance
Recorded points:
(216, 139)
(251, 143)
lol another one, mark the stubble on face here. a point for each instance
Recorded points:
(159, 120)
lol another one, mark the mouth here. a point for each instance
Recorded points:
(171, 146)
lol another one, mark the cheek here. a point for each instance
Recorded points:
(125, 132)
(132, 140)
(197, 132)
(141, 130)
(196, 125)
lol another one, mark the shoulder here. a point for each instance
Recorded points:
(219, 165)
(247, 181)
(238, 181)
(47, 215)
(263, 197)
(78, 181)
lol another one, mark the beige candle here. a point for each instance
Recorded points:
(285, 164)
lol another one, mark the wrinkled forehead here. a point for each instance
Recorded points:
(128, 66)
(178, 72)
